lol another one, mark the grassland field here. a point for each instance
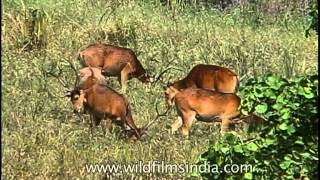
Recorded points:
(43, 139)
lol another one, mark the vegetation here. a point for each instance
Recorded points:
(313, 18)
(42, 138)
(287, 144)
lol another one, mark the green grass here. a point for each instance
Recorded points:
(43, 138)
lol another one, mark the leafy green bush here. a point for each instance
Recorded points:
(286, 146)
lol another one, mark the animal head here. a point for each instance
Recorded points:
(170, 93)
(77, 97)
(86, 72)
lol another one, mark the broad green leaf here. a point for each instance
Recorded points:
(306, 155)
(248, 175)
(291, 129)
(273, 82)
(299, 141)
(224, 150)
(277, 106)
(309, 95)
(315, 158)
(252, 147)
(283, 126)
(195, 174)
(270, 141)
(307, 90)
(285, 164)
(269, 93)
(301, 91)
(285, 115)
(262, 108)
(280, 99)
(244, 112)
(288, 157)
(289, 177)
(238, 148)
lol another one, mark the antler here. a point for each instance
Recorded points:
(57, 76)
(157, 117)
(162, 72)
(76, 73)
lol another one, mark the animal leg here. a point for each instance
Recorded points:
(125, 72)
(91, 124)
(225, 124)
(176, 125)
(187, 118)
(225, 121)
(106, 124)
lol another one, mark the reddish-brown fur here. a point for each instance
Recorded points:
(203, 105)
(103, 103)
(114, 61)
(209, 77)
(86, 72)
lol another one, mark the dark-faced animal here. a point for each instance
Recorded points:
(104, 105)
(114, 61)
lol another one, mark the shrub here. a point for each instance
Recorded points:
(286, 146)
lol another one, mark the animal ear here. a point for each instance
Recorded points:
(173, 89)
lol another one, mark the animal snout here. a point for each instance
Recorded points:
(76, 110)
(105, 72)
(170, 101)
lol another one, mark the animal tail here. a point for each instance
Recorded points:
(237, 79)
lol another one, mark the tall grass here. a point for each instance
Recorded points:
(41, 136)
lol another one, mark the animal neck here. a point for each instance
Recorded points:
(179, 84)
(87, 85)
(88, 91)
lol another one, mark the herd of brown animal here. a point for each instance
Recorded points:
(207, 93)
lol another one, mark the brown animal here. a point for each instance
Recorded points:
(114, 61)
(204, 105)
(103, 103)
(86, 72)
(209, 77)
